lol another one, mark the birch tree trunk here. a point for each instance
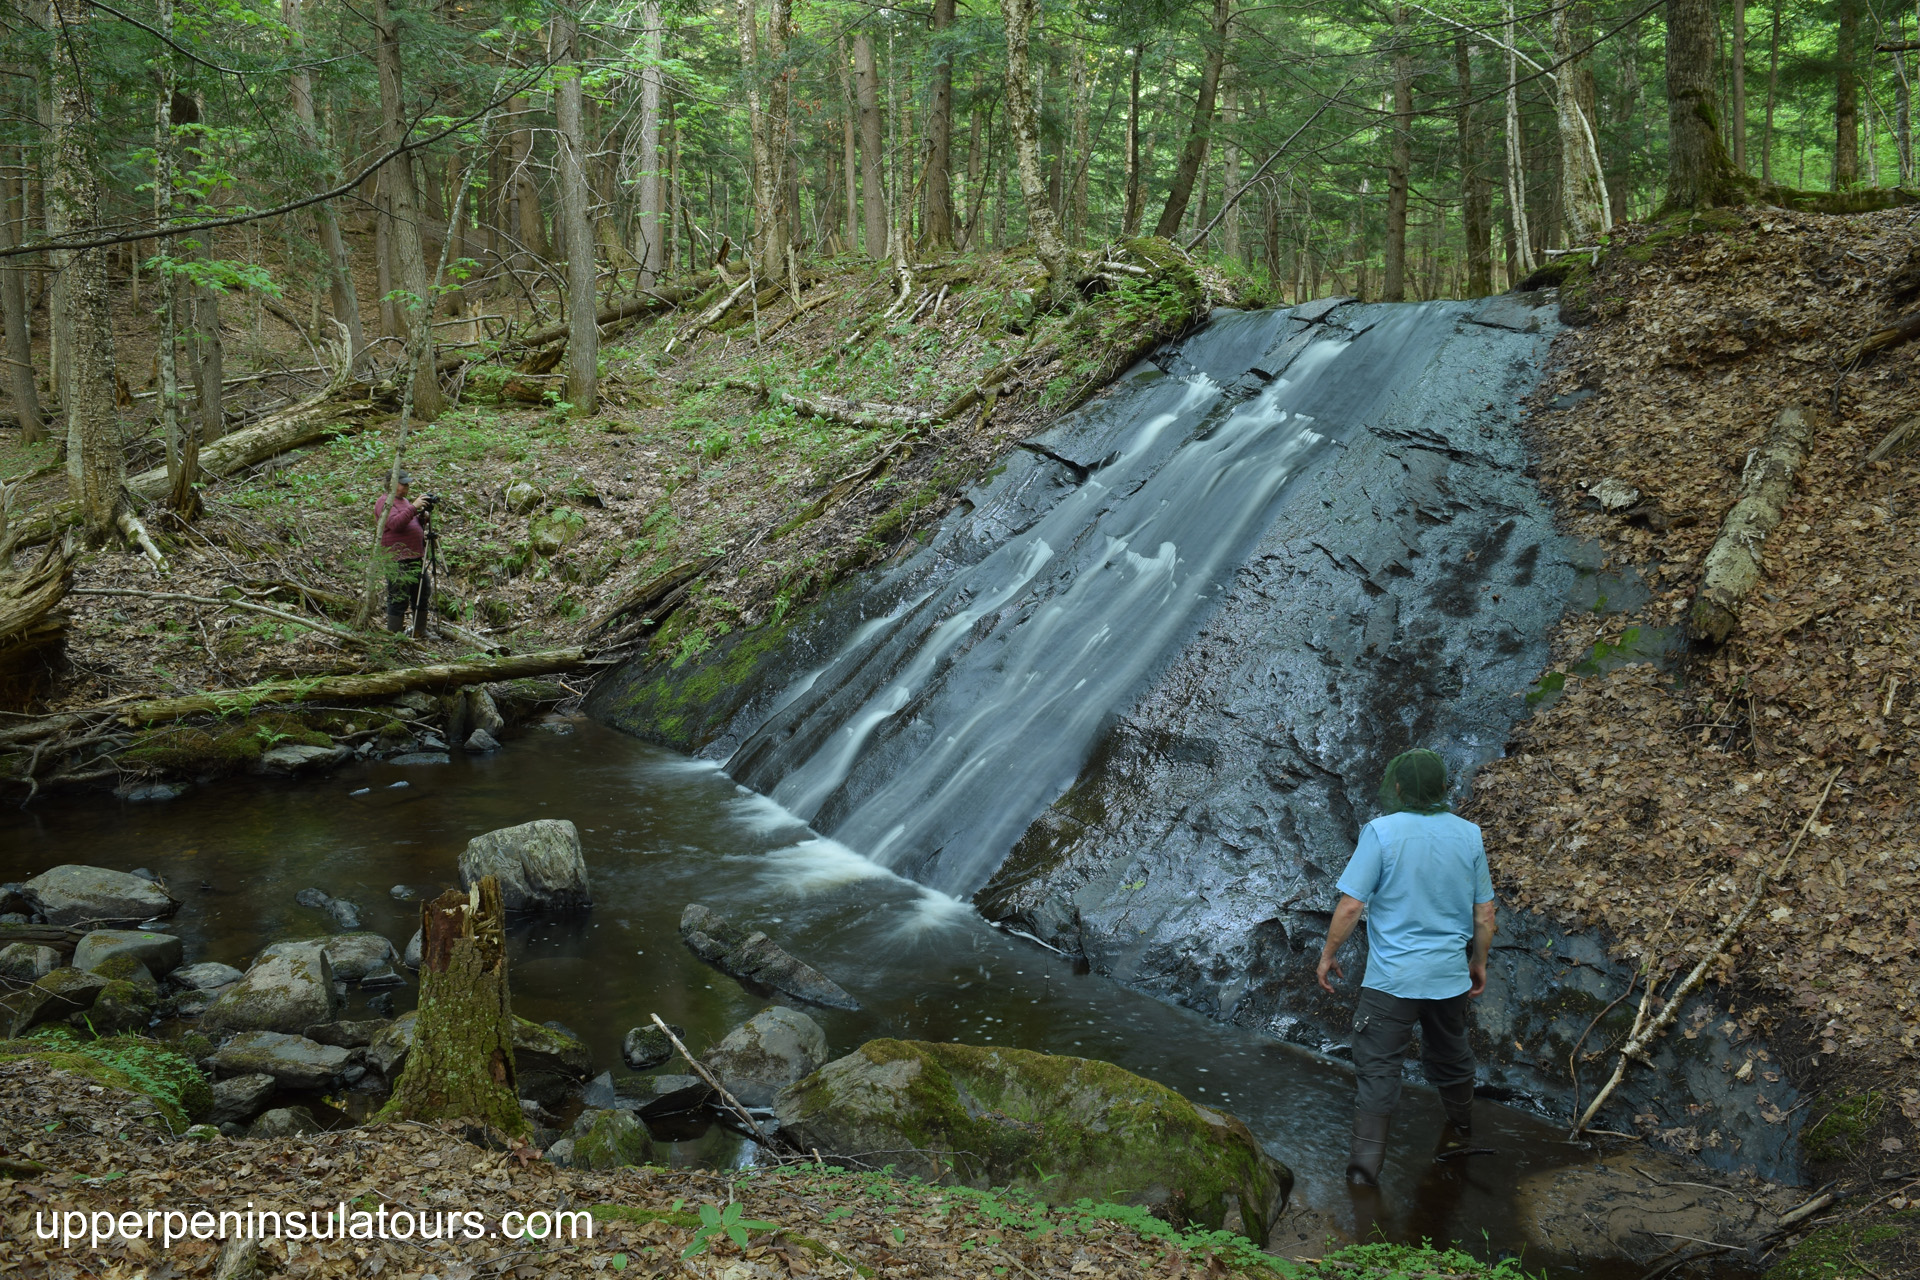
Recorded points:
(583, 338)
(183, 446)
(1519, 236)
(1773, 85)
(937, 230)
(529, 227)
(1082, 88)
(404, 233)
(1229, 171)
(1024, 116)
(1130, 215)
(873, 192)
(654, 229)
(1583, 194)
(1476, 193)
(767, 129)
(1200, 133)
(849, 153)
(13, 311)
(96, 462)
(1400, 163)
(346, 302)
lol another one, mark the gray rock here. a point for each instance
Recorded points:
(647, 1047)
(206, 976)
(345, 914)
(285, 1122)
(560, 1154)
(609, 1139)
(1614, 495)
(238, 1099)
(480, 742)
(14, 899)
(754, 957)
(522, 498)
(349, 1035)
(292, 758)
(151, 792)
(412, 956)
(74, 894)
(285, 993)
(124, 1004)
(58, 995)
(433, 742)
(483, 712)
(26, 961)
(295, 1061)
(777, 1047)
(416, 703)
(315, 898)
(402, 893)
(1063, 1128)
(351, 956)
(538, 864)
(422, 757)
(159, 952)
(599, 1094)
(663, 1096)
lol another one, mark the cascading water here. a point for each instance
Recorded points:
(930, 742)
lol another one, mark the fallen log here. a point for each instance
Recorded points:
(664, 298)
(709, 316)
(1902, 439)
(377, 684)
(651, 594)
(854, 413)
(1732, 567)
(325, 628)
(1905, 329)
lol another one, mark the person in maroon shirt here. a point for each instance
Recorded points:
(403, 538)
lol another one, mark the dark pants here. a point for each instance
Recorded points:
(1382, 1028)
(406, 589)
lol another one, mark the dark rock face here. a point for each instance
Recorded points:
(1169, 782)
(755, 958)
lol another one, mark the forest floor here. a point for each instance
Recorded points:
(681, 467)
(75, 1146)
(1646, 797)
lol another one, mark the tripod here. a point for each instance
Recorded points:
(429, 576)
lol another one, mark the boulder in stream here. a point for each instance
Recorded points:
(159, 952)
(772, 1050)
(609, 1139)
(27, 961)
(647, 1047)
(295, 1061)
(366, 958)
(239, 1099)
(752, 956)
(208, 975)
(58, 995)
(286, 993)
(75, 894)
(539, 866)
(1065, 1128)
(294, 757)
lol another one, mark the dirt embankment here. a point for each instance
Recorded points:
(1646, 799)
(731, 475)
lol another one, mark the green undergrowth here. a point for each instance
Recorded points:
(988, 1218)
(128, 1062)
(1840, 1133)
(1875, 1250)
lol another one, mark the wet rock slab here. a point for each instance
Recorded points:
(75, 894)
(753, 957)
(294, 1061)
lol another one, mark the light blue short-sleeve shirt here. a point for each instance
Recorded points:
(1421, 876)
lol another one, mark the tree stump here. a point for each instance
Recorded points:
(461, 1063)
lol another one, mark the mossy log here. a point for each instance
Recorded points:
(440, 677)
(1733, 565)
(664, 298)
(461, 1064)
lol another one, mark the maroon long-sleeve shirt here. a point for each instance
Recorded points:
(400, 529)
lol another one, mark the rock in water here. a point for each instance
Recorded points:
(295, 1061)
(27, 961)
(348, 1035)
(75, 894)
(647, 1047)
(285, 993)
(315, 898)
(206, 976)
(1062, 1127)
(776, 1048)
(539, 866)
(480, 742)
(609, 1140)
(754, 957)
(160, 952)
(300, 758)
(345, 914)
(354, 957)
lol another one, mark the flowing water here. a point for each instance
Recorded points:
(661, 830)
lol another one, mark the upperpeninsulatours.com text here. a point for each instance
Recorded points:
(167, 1227)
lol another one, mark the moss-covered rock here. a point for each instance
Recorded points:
(1065, 1128)
(122, 1005)
(610, 1140)
(138, 1065)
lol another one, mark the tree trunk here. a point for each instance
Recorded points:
(461, 1064)
(529, 228)
(1023, 114)
(383, 273)
(1846, 98)
(583, 340)
(1700, 174)
(183, 452)
(95, 459)
(1476, 193)
(346, 302)
(937, 231)
(13, 311)
(1229, 172)
(655, 229)
(848, 147)
(1194, 154)
(1082, 147)
(1130, 215)
(767, 130)
(1737, 86)
(1583, 191)
(1519, 236)
(1732, 567)
(207, 354)
(416, 312)
(1400, 162)
(873, 195)
(1773, 86)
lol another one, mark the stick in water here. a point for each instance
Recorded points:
(758, 1133)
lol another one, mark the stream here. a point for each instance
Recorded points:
(661, 830)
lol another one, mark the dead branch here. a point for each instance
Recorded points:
(33, 594)
(1905, 329)
(854, 413)
(649, 597)
(713, 1083)
(325, 628)
(709, 316)
(1732, 567)
(379, 684)
(665, 298)
(1902, 439)
(1645, 1033)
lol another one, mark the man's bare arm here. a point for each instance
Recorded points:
(1485, 922)
(1345, 917)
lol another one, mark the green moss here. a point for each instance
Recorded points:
(1852, 1250)
(1840, 1131)
(613, 1140)
(220, 748)
(125, 1062)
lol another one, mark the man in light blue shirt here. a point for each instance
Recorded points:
(1421, 875)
